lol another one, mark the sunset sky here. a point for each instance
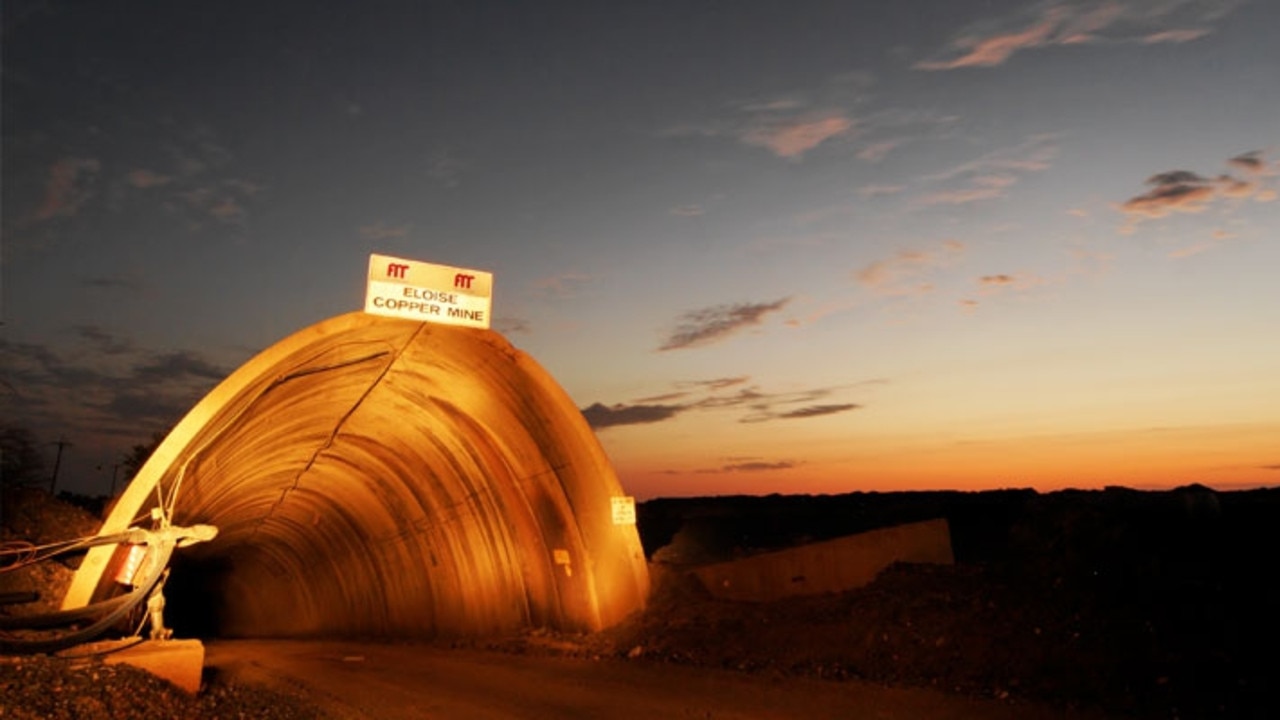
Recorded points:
(793, 247)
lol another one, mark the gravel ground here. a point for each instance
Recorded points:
(47, 688)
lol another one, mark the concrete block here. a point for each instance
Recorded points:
(828, 566)
(181, 662)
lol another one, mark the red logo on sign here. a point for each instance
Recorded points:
(396, 270)
(463, 281)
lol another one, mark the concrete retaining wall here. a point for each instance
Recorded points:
(829, 566)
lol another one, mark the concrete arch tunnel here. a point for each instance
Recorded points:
(386, 478)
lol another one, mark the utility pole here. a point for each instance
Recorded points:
(57, 460)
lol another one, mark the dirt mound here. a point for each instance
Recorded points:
(31, 517)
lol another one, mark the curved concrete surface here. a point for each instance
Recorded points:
(381, 477)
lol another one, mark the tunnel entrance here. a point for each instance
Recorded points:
(194, 604)
(381, 477)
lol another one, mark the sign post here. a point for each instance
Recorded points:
(428, 293)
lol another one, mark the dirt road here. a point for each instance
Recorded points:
(360, 680)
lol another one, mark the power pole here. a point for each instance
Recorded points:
(57, 461)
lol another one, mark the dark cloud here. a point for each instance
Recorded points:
(760, 406)
(1176, 177)
(709, 325)
(817, 410)
(1250, 162)
(996, 279)
(116, 391)
(766, 413)
(511, 326)
(102, 341)
(152, 409)
(720, 383)
(758, 466)
(178, 366)
(1190, 192)
(600, 416)
(106, 283)
(746, 396)
(1270, 467)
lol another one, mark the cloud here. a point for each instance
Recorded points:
(600, 416)
(817, 411)
(228, 210)
(983, 187)
(1175, 36)
(908, 271)
(711, 395)
(103, 387)
(72, 181)
(177, 366)
(445, 169)
(1079, 22)
(759, 466)
(792, 138)
(108, 283)
(878, 190)
(1250, 162)
(720, 383)
(996, 280)
(688, 211)
(1034, 154)
(992, 174)
(698, 328)
(1190, 250)
(511, 325)
(1184, 191)
(102, 341)
(563, 286)
(1003, 282)
(994, 49)
(144, 179)
(875, 152)
(381, 231)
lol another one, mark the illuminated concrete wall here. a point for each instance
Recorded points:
(828, 566)
(373, 476)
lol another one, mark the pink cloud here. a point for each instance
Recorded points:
(1175, 36)
(876, 190)
(1079, 22)
(143, 179)
(794, 139)
(908, 272)
(993, 50)
(878, 151)
(68, 187)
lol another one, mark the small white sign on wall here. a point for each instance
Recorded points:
(624, 510)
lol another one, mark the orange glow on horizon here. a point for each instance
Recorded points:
(1226, 457)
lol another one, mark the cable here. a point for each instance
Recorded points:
(140, 593)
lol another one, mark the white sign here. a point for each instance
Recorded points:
(429, 293)
(624, 510)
